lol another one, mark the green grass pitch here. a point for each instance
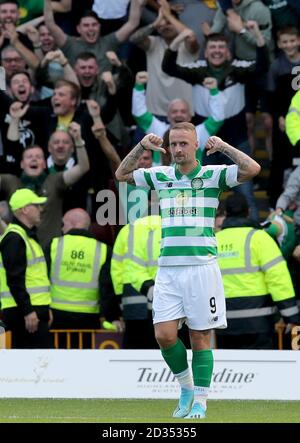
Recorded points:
(142, 411)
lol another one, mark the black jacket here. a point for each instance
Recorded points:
(13, 250)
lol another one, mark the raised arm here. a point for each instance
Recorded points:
(34, 22)
(30, 58)
(193, 74)
(133, 21)
(141, 38)
(59, 57)
(16, 112)
(190, 41)
(72, 175)
(62, 6)
(108, 149)
(58, 34)
(124, 172)
(144, 118)
(247, 167)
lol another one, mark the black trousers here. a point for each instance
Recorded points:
(245, 341)
(139, 334)
(74, 320)
(21, 338)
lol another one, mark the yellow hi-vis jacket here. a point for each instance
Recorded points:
(76, 262)
(36, 276)
(292, 120)
(256, 280)
(134, 263)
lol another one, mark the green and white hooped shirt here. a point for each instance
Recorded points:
(188, 205)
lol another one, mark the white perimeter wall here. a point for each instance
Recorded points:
(269, 375)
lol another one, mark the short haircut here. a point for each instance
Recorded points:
(18, 73)
(85, 56)
(216, 37)
(181, 100)
(8, 48)
(89, 13)
(290, 30)
(15, 2)
(41, 24)
(59, 130)
(186, 126)
(28, 148)
(75, 90)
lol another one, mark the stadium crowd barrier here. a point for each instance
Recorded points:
(103, 339)
(79, 338)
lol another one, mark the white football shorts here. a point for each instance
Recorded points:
(193, 294)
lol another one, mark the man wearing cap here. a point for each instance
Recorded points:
(24, 283)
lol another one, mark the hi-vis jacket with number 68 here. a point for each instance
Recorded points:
(256, 280)
(134, 265)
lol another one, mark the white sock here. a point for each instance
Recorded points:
(200, 395)
(185, 379)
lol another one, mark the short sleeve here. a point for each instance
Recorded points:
(228, 177)
(142, 177)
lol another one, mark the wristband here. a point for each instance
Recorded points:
(37, 46)
(145, 149)
(80, 146)
(64, 64)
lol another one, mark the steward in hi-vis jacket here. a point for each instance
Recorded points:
(256, 280)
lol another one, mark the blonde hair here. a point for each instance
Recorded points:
(187, 126)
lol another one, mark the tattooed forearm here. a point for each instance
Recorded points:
(141, 33)
(129, 164)
(247, 167)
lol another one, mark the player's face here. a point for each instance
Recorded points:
(183, 146)
(217, 53)
(89, 29)
(289, 44)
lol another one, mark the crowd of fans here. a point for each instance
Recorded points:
(84, 81)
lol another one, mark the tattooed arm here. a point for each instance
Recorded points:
(124, 173)
(247, 167)
(141, 36)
